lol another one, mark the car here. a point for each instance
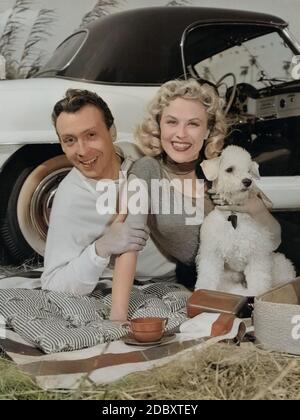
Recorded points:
(125, 57)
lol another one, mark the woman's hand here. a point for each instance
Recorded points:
(216, 198)
(254, 206)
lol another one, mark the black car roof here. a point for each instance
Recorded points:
(142, 46)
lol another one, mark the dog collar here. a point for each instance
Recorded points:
(233, 219)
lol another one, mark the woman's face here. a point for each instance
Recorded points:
(183, 128)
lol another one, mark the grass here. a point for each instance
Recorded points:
(221, 372)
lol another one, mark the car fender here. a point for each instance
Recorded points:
(6, 151)
(26, 107)
(288, 198)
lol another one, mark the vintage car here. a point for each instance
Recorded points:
(252, 59)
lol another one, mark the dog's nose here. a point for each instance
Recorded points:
(247, 182)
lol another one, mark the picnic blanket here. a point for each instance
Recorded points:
(64, 341)
(56, 322)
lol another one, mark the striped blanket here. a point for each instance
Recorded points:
(56, 322)
(64, 341)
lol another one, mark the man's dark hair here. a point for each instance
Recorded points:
(76, 99)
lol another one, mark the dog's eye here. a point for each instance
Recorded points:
(229, 170)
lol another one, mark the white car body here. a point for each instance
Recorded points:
(128, 105)
(26, 110)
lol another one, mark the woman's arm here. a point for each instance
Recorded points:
(257, 209)
(125, 264)
(124, 272)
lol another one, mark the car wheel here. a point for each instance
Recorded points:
(29, 204)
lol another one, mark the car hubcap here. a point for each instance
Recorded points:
(42, 200)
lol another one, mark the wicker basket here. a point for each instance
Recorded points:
(277, 318)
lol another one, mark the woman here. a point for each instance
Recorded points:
(185, 124)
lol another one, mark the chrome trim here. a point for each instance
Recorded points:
(27, 143)
(285, 210)
(73, 57)
(79, 48)
(182, 44)
(293, 41)
(10, 144)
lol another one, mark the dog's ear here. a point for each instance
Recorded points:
(211, 168)
(254, 170)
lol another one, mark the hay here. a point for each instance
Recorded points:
(224, 372)
(221, 372)
(25, 268)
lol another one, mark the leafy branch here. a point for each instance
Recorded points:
(12, 28)
(32, 56)
(99, 10)
(178, 3)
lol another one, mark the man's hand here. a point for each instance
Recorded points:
(120, 237)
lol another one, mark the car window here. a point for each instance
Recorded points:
(253, 62)
(66, 52)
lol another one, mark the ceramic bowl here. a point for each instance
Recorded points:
(148, 329)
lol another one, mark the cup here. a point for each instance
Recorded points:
(148, 329)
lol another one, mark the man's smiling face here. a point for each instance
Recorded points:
(87, 142)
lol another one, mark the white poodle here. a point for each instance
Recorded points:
(236, 253)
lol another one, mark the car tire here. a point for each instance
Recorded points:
(25, 224)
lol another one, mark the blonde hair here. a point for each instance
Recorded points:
(148, 132)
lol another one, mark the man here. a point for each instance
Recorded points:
(81, 240)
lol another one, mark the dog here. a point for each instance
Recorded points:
(236, 252)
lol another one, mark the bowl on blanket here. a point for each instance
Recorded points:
(148, 329)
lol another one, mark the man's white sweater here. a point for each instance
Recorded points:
(71, 263)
